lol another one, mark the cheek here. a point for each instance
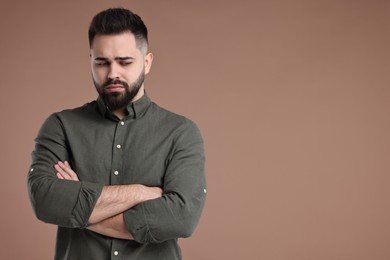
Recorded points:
(133, 75)
(98, 75)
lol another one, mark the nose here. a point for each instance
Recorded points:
(113, 73)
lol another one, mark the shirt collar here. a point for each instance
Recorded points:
(135, 109)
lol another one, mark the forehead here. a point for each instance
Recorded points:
(114, 45)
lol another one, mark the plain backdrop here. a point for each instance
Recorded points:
(292, 98)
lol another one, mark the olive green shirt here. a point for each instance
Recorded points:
(150, 146)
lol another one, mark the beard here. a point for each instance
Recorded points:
(119, 100)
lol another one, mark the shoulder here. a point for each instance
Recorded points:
(166, 116)
(87, 108)
(182, 126)
(85, 111)
(81, 113)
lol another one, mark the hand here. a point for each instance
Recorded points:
(112, 227)
(65, 172)
(149, 193)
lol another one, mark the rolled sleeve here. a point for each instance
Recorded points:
(177, 213)
(60, 202)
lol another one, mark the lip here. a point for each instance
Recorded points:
(114, 87)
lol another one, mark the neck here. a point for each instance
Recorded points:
(120, 113)
(140, 93)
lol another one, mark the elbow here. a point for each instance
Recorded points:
(185, 218)
(39, 203)
(190, 215)
(171, 221)
(41, 210)
(190, 228)
(38, 191)
(186, 228)
(181, 227)
(50, 215)
(184, 232)
(161, 231)
(43, 216)
(51, 208)
(38, 207)
(42, 213)
(37, 212)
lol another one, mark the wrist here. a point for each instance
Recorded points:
(138, 191)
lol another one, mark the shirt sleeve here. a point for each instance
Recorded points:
(177, 212)
(55, 201)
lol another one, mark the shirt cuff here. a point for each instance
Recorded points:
(87, 198)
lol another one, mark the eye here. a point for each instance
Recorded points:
(126, 63)
(100, 64)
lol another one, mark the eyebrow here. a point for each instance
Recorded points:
(116, 58)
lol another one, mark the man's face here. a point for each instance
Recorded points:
(118, 69)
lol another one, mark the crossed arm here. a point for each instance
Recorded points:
(107, 215)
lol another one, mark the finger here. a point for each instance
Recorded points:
(63, 173)
(66, 168)
(59, 176)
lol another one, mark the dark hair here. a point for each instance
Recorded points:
(118, 20)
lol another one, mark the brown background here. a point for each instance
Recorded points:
(292, 98)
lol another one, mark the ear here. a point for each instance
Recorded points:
(148, 62)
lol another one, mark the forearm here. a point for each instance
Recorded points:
(113, 200)
(119, 198)
(112, 227)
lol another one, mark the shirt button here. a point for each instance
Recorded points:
(122, 123)
(118, 146)
(116, 253)
(116, 172)
(32, 169)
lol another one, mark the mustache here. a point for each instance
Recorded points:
(115, 82)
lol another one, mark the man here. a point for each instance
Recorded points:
(121, 177)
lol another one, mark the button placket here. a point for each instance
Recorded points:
(117, 157)
(117, 249)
